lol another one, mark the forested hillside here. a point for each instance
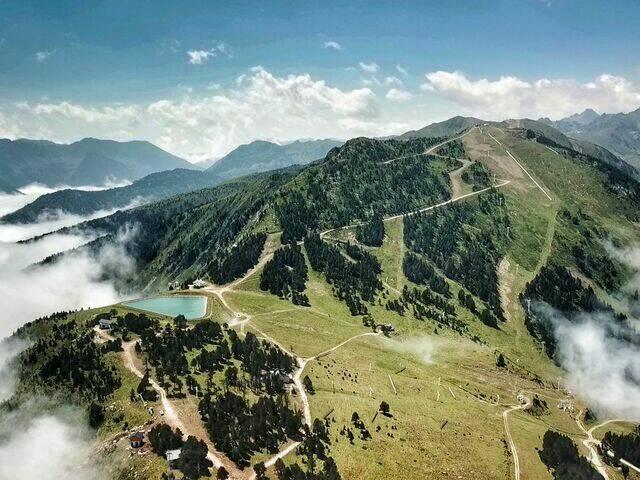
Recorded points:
(191, 234)
(367, 299)
(362, 178)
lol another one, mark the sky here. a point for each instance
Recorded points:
(199, 78)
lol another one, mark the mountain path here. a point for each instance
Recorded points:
(591, 443)
(510, 441)
(420, 210)
(520, 165)
(430, 150)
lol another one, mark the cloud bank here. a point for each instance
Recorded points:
(512, 97)
(76, 281)
(46, 446)
(209, 123)
(602, 369)
(200, 123)
(39, 440)
(600, 353)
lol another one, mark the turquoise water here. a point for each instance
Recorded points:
(190, 306)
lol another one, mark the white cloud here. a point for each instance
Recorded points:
(424, 348)
(357, 127)
(333, 45)
(393, 81)
(79, 112)
(398, 95)
(213, 86)
(401, 70)
(41, 443)
(603, 369)
(371, 67)
(43, 56)
(511, 96)
(202, 56)
(7, 129)
(75, 281)
(371, 81)
(199, 57)
(209, 123)
(265, 106)
(10, 348)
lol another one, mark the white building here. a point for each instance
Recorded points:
(105, 324)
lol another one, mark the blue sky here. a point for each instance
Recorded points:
(113, 55)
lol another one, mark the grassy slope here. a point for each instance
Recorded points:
(356, 377)
(471, 444)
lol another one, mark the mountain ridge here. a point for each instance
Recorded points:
(87, 161)
(617, 132)
(271, 156)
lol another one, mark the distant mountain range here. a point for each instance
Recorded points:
(255, 157)
(261, 156)
(91, 161)
(87, 162)
(617, 132)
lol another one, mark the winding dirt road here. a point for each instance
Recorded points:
(171, 417)
(512, 444)
(591, 443)
(430, 150)
(420, 210)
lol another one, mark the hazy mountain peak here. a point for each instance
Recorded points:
(87, 161)
(262, 155)
(584, 118)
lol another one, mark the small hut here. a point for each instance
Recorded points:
(172, 458)
(136, 439)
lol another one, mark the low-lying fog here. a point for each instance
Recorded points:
(38, 442)
(74, 282)
(47, 223)
(604, 369)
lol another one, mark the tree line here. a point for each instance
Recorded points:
(425, 304)
(557, 287)
(353, 183)
(354, 282)
(285, 275)
(238, 259)
(477, 176)
(371, 233)
(67, 358)
(466, 241)
(419, 271)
